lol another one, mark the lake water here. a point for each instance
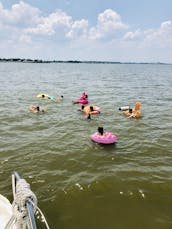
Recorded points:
(80, 184)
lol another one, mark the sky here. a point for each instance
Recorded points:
(92, 30)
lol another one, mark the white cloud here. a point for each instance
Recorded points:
(166, 26)
(20, 15)
(25, 27)
(29, 21)
(164, 33)
(79, 29)
(132, 35)
(109, 19)
(159, 37)
(109, 22)
(48, 25)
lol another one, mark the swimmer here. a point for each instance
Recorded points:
(100, 130)
(82, 108)
(93, 109)
(84, 95)
(60, 98)
(134, 113)
(37, 109)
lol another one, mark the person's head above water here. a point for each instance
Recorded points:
(43, 96)
(84, 95)
(130, 110)
(37, 108)
(91, 108)
(100, 130)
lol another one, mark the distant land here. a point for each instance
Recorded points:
(21, 60)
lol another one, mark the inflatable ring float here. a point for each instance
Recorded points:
(82, 101)
(134, 113)
(93, 110)
(106, 138)
(43, 96)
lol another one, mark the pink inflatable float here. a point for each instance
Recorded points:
(106, 138)
(82, 100)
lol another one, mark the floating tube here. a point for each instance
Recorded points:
(106, 138)
(134, 113)
(44, 96)
(51, 97)
(82, 101)
(91, 110)
(124, 108)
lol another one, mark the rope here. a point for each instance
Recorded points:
(22, 195)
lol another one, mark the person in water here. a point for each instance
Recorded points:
(60, 98)
(100, 130)
(82, 108)
(84, 95)
(89, 117)
(92, 109)
(38, 109)
(130, 110)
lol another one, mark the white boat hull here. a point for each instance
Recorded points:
(5, 212)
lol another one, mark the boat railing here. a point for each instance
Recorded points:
(24, 205)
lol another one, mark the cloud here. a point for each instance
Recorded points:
(79, 29)
(49, 25)
(160, 37)
(162, 34)
(20, 15)
(25, 27)
(29, 21)
(109, 22)
(132, 35)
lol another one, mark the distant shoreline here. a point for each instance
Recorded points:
(21, 60)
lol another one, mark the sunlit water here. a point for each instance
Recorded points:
(80, 184)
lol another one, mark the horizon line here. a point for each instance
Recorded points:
(29, 60)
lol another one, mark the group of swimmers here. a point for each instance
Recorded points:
(90, 110)
(131, 113)
(37, 109)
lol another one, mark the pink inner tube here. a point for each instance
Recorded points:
(82, 101)
(106, 138)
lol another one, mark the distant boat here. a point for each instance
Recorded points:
(21, 213)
